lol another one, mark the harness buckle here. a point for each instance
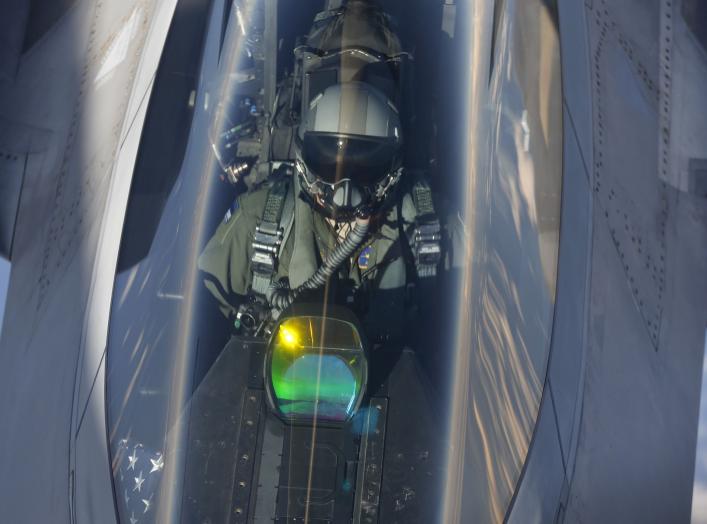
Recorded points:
(266, 246)
(427, 248)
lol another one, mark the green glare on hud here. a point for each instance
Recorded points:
(317, 367)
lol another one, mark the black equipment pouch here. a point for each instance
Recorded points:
(427, 236)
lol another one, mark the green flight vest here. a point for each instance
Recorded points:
(238, 256)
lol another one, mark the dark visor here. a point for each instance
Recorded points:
(365, 160)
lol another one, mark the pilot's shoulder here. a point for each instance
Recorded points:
(252, 203)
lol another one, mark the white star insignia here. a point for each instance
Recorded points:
(158, 464)
(127, 498)
(138, 482)
(132, 459)
(133, 520)
(147, 503)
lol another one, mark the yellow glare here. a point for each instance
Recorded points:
(288, 338)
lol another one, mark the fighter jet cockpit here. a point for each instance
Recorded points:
(296, 271)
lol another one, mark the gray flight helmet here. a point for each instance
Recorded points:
(349, 149)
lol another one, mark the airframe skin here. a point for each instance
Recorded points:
(580, 144)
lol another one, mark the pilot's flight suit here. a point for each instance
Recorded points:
(380, 270)
(377, 272)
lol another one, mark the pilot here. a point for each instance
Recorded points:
(350, 222)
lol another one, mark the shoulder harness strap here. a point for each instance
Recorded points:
(270, 234)
(426, 244)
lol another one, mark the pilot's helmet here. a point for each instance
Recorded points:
(349, 150)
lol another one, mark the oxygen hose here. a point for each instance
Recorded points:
(280, 298)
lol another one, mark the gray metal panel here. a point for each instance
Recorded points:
(633, 433)
(37, 363)
(112, 217)
(648, 296)
(539, 492)
(43, 15)
(12, 32)
(537, 498)
(635, 452)
(576, 75)
(89, 453)
(683, 84)
(22, 151)
(90, 60)
(93, 489)
(515, 243)
(567, 352)
(12, 172)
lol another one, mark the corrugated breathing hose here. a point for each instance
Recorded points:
(280, 298)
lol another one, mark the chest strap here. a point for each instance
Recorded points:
(426, 242)
(271, 234)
